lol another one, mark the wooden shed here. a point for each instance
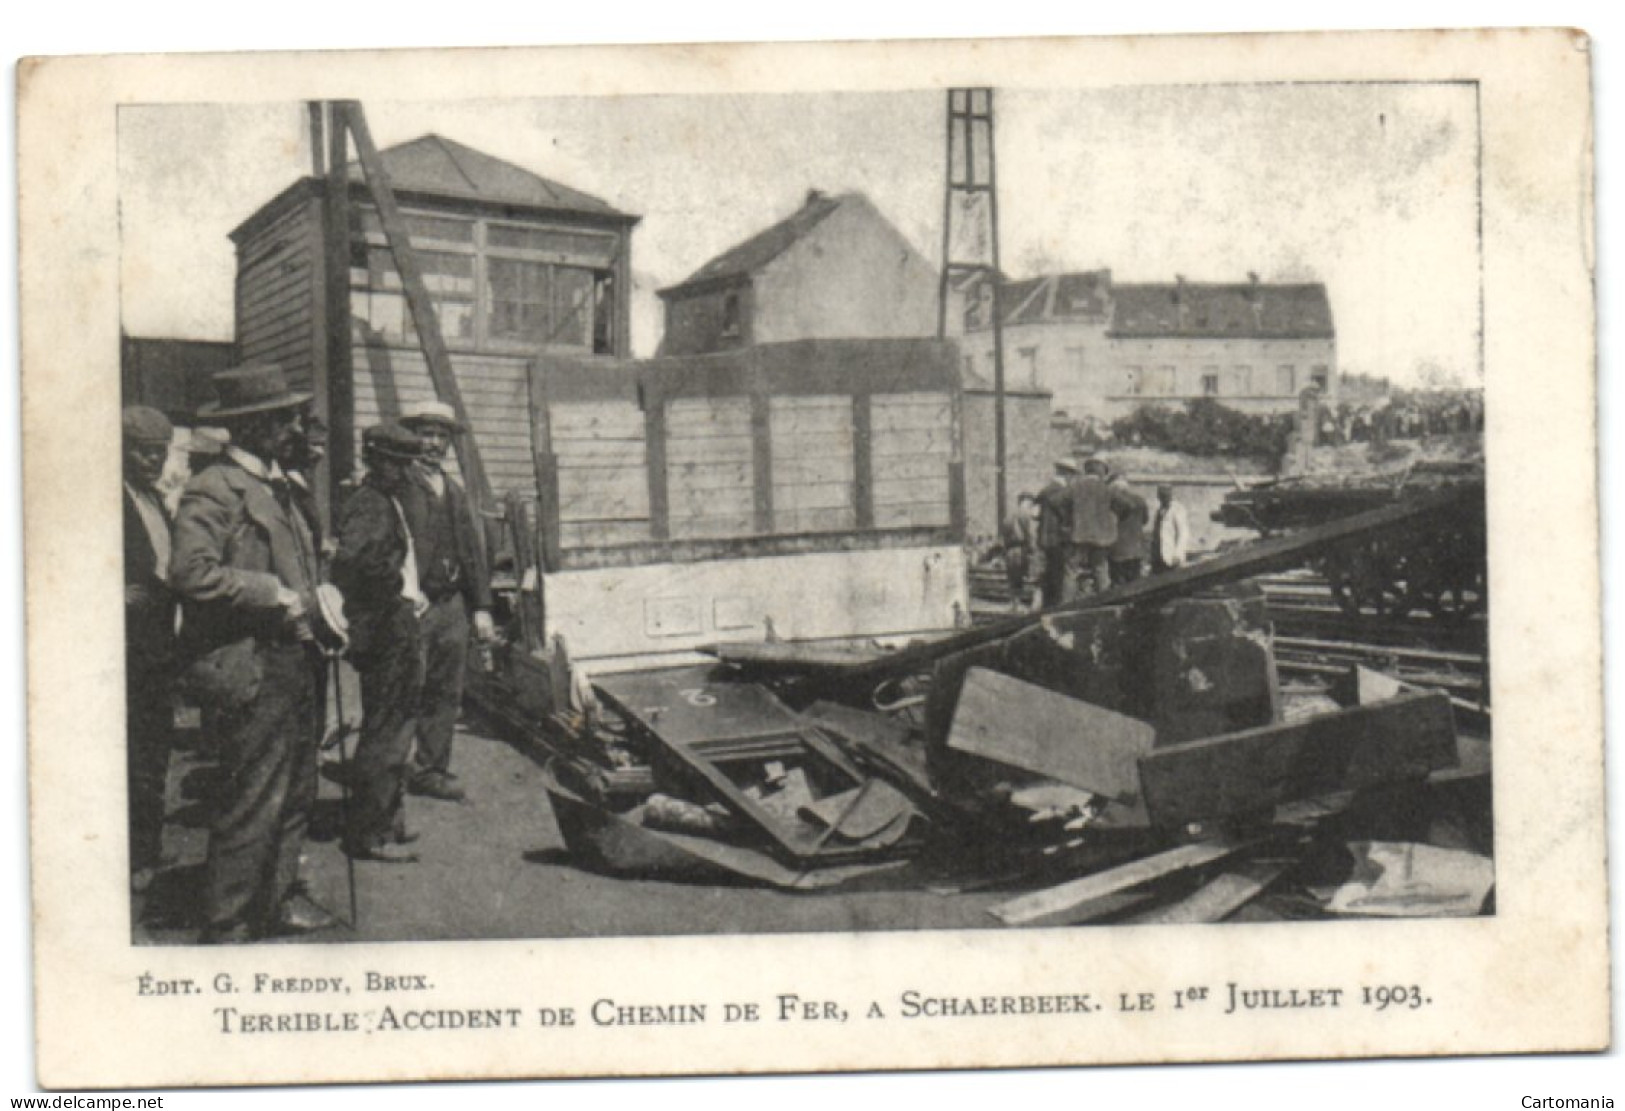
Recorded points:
(514, 265)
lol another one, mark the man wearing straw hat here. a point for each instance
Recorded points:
(244, 566)
(452, 574)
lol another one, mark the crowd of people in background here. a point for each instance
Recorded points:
(236, 602)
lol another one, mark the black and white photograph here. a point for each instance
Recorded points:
(988, 511)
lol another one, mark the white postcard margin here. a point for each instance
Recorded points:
(1532, 978)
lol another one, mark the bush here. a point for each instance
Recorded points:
(1205, 427)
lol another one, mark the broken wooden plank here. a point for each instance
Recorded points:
(1217, 899)
(1252, 771)
(1025, 726)
(1059, 906)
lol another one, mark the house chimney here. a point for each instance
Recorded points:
(1179, 300)
(814, 196)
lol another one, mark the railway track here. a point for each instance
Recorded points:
(1318, 641)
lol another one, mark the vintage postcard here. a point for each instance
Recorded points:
(798, 558)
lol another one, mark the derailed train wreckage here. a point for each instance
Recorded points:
(736, 620)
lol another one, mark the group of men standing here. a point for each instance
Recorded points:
(1092, 531)
(231, 601)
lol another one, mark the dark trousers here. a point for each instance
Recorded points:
(1054, 582)
(1126, 570)
(444, 630)
(1091, 567)
(391, 682)
(268, 750)
(149, 735)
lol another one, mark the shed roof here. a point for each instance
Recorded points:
(443, 167)
(1240, 309)
(744, 259)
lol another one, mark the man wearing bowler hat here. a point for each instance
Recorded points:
(450, 551)
(244, 566)
(149, 636)
(375, 568)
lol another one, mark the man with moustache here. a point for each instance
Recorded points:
(450, 551)
(244, 566)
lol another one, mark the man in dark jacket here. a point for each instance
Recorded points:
(452, 574)
(244, 566)
(149, 636)
(1055, 536)
(1094, 526)
(1130, 549)
(374, 569)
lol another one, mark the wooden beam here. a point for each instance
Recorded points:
(1027, 727)
(761, 444)
(334, 347)
(1254, 770)
(318, 153)
(654, 447)
(1063, 905)
(424, 318)
(863, 459)
(1217, 899)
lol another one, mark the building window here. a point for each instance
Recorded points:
(1132, 383)
(1321, 379)
(492, 283)
(1286, 381)
(1210, 384)
(1029, 357)
(1241, 381)
(730, 314)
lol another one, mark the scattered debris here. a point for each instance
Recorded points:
(1155, 754)
(1413, 881)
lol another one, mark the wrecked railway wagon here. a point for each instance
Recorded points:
(1442, 570)
(806, 493)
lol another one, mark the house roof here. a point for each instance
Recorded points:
(1240, 309)
(443, 167)
(1055, 297)
(744, 259)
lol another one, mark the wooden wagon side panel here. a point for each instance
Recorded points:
(600, 456)
(495, 389)
(912, 446)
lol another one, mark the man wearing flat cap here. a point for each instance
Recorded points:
(244, 566)
(149, 636)
(453, 577)
(375, 568)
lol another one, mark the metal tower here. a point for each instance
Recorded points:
(970, 239)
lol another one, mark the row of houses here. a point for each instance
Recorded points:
(517, 264)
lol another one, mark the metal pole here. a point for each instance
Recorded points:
(947, 226)
(1001, 485)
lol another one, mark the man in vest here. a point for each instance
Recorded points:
(149, 636)
(244, 567)
(450, 549)
(375, 566)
